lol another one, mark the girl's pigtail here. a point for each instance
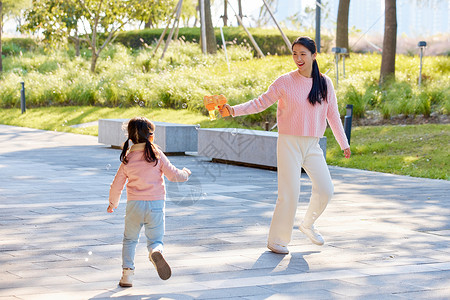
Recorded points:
(150, 152)
(123, 155)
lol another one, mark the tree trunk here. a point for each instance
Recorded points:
(77, 44)
(149, 23)
(211, 43)
(387, 70)
(1, 28)
(197, 15)
(225, 13)
(93, 62)
(240, 9)
(342, 25)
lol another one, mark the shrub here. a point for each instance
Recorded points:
(128, 77)
(268, 40)
(15, 46)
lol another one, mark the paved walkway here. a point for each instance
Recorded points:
(386, 236)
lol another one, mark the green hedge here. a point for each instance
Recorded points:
(13, 46)
(268, 40)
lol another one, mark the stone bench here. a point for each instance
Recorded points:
(244, 146)
(170, 137)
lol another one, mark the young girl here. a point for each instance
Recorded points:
(143, 166)
(306, 100)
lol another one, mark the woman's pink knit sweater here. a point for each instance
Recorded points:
(295, 115)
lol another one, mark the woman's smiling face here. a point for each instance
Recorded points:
(303, 58)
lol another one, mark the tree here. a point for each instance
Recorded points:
(9, 7)
(387, 70)
(188, 10)
(151, 16)
(211, 44)
(264, 17)
(342, 24)
(56, 20)
(107, 17)
(100, 20)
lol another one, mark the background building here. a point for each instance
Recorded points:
(414, 17)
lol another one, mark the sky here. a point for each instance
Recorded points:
(249, 8)
(414, 17)
(252, 7)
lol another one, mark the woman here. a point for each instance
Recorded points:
(306, 100)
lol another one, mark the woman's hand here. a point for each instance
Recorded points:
(229, 110)
(347, 152)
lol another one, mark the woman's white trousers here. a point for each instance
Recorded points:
(293, 153)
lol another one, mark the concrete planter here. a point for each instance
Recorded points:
(251, 147)
(241, 146)
(172, 138)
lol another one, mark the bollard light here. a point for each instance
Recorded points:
(22, 98)
(422, 45)
(348, 121)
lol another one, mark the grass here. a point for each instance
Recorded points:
(127, 77)
(419, 150)
(62, 118)
(130, 82)
(413, 150)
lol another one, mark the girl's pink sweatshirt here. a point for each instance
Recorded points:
(295, 115)
(145, 180)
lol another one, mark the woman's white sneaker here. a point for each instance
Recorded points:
(277, 248)
(313, 234)
(127, 278)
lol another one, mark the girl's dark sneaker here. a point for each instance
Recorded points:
(162, 267)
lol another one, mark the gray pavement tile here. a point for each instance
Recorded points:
(402, 283)
(310, 295)
(20, 292)
(58, 241)
(229, 293)
(378, 296)
(442, 294)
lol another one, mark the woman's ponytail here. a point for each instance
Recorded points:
(319, 87)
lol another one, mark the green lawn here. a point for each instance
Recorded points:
(419, 150)
(414, 150)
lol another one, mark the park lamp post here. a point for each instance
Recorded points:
(339, 51)
(422, 45)
(318, 5)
